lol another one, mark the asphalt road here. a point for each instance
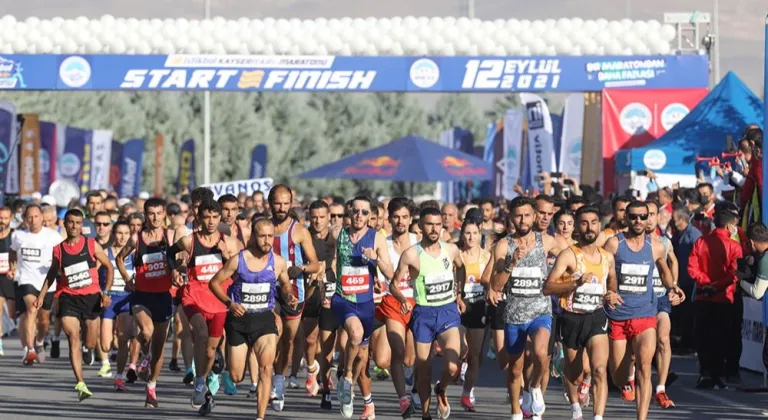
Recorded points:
(46, 391)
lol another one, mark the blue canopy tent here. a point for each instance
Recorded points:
(409, 159)
(722, 114)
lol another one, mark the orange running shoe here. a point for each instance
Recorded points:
(466, 402)
(628, 392)
(369, 412)
(119, 385)
(663, 400)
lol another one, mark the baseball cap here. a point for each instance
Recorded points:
(144, 195)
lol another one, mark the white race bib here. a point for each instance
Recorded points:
(255, 296)
(78, 275)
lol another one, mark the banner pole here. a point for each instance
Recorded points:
(764, 200)
(207, 120)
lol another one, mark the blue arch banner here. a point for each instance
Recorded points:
(357, 74)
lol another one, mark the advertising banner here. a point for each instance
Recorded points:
(248, 186)
(47, 155)
(752, 336)
(331, 73)
(186, 176)
(258, 162)
(101, 159)
(540, 136)
(29, 173)
(7, 140)
(513, 150)
(635, 118)
(461, 139)
(115, 165)
(573, 131)
(133, 158)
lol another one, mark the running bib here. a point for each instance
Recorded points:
(525, 281)
(78, 275)
(33, 255)
(439, 287)
(473, 291)
(658, 286)
(588, 297)
(154, 265)
(206, 266)
(5, 263)
(118, 282)
(330, 290)
(255, 296)
(406, 288)
(633, 279)
(354, 280)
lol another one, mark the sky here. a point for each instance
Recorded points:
(741, 21)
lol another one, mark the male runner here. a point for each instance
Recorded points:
(250, 323)
(7, 287)
(438, 304)
(294, 243)
(30, 256)
(119, 308)
(73, 268)
(103, 223)
(94, 203)
(663, 326)
(580, 278)
(229, 213)
(520, 267)
(151, 302)
(207, 250)
(618, 222)
(631, 303)
(359, 251)
(389, 310)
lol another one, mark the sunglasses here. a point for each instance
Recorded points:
(337, 215)
(361, 211)
(103, 224)
(637, 216)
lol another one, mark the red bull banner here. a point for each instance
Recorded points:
(635, 118)
(380, 166)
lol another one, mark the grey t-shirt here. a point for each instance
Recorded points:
(525, 302)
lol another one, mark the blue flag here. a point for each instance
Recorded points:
(258, 162)
(7, 139)
(69, 164)
(131, 168)
(115, 165)
(47, 155)
(186, 176)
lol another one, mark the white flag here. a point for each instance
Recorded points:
(101, 158)
(540, 143)
(573, 130)
(513, 149)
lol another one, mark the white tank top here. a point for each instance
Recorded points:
(405, 286)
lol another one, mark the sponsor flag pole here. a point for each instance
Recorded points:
(159, 151)
(207, 120)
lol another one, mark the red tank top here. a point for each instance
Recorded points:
(203, 264)
(152, 272)
(77, 268)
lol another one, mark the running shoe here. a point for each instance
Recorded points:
(119, 385)
(207, 406)
(2, 353)
(311, 384)
(252, 393)
(369, 412)
(189, 378)
(344, 391)
(213, 383)
(467, 403)
(526, 401)
(576, 414)
(415, 399)
(293, 382)
(720, 384)
(82, 391)
(538, 407)
(29, 357)
(347, 410)
(131, 376)
(105, 371)
(584, 394)
(55, 349)
(705, 382)
(381, 374)
(279, 401)
(663, 400)
(406, 407)
(557, 363)
(89, 357)
(628, 391)
(325, 401)
(174, 366)
(230, 388)
(143, 370)
(198, 399)
(218, 362)
(40, 350)
(151, 400)
(443, 407)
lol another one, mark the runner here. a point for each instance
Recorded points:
(473, 319)
(399, 336)
(520, 268)
(94, 203)
(580, 277)
(618, 222)
(119, 308)
(294, 243)
(632, 306)
(151, 302)
(103, 230)
(250, 323)
(73, 268)
(31, 253)
(7, 287)
(229, 213)
(206, 249)
(664, 306)
(359, 251)
(436, 313)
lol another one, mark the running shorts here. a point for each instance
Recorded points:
(28, 289)
(8, 290)
(577, 329)
(313, 304)
(495, 316)
(630, 328)
(327, 320)
(343, 309)
(516, 335)
(663, 304)
(159, 305)
(247, 329)
(428, 322)
(120, 304)
(475, 316)
(214, 321)
(389, 308)
(288, 313)
(82, 307)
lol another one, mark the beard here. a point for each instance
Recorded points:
(522, 230)
(588, 238)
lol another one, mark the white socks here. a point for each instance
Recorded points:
(576, 411)
(660, 388)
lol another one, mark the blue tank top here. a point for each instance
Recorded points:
(291, 251)
(118, 283)
(634, 272)
(355, 274)
(255, 290)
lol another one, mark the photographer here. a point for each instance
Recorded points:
(753, 272)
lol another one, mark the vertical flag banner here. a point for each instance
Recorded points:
(47, 157)
(557, 136)
(101, 158)
(258, 162)
(85, 171)
(444, 190)
(30, 151)
(12, 171)
(186, 177)
(540, 136)
(592, 146)
(486, 187)
(133, 158)
(498, 158)
(7, 139)
(573, 131)
(513, 150)
(115, 165)
(72, 151)
(635, 118)
(159, 156)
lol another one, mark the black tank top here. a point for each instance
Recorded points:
(204, 261)
(325, 251)
(5, 247)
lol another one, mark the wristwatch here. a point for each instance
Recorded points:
(228, 303)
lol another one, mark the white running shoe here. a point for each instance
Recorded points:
(279, 401)
(293, 383)
(538, 407)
